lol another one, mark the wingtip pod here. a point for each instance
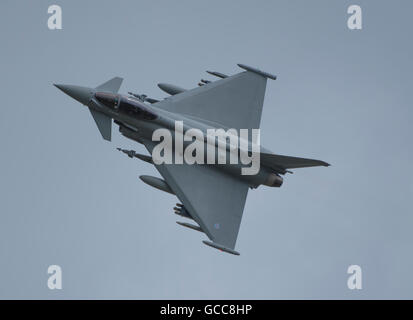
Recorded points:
(220, 247)
(257, 71)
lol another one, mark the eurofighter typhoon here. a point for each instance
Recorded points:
(204, 142)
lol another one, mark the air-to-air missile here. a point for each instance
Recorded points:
(190, 226)
(218, 74)
(170, 88)
(129, 153)
(258, 71)
(203, 82)
(181, 211)
(143, 97)
(133, 153)
(157, 183)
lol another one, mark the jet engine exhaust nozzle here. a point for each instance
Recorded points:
(274, 180)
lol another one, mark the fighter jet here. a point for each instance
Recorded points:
(212, 195)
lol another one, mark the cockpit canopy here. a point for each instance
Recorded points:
(130, 106)
(110, 100)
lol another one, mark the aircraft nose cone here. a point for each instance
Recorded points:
(81, 94)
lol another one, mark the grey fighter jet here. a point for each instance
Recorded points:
(212, 195)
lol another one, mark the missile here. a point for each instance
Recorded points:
(170, 88)
(143, 97)
(218, 74)
(124, 125)
(138, 96)
(157, 183)
(143, 157)
(205, 81)
(257, 71)
(181, 211)
(133, 153)
(129, 153)
(151, 100)
(190, 226)
(129, 132)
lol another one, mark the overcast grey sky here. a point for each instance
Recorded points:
(69, 198)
